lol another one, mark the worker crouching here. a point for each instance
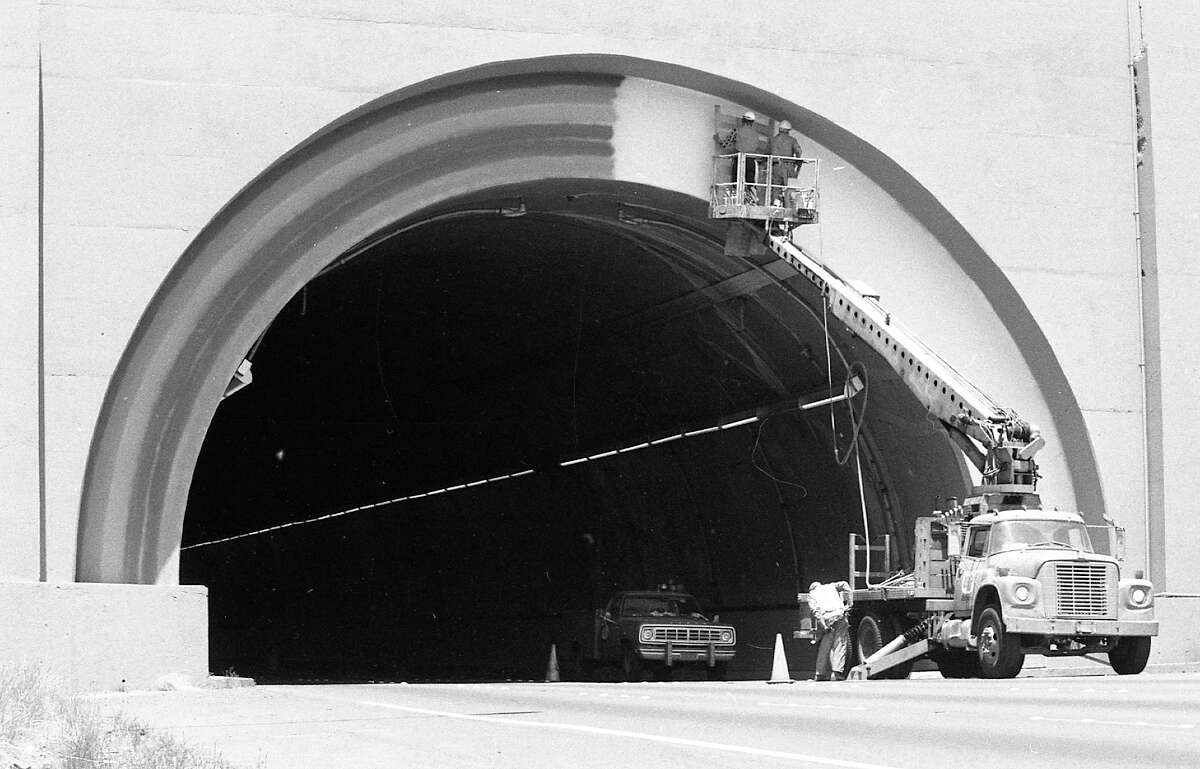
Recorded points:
(829, 604)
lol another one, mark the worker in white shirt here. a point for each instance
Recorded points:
(830, 604)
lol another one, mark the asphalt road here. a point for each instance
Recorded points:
(1088, 722)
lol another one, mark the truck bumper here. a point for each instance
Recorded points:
(687, 655)
(1080, 627)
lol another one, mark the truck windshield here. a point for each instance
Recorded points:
(1014, 535)
(661, 606)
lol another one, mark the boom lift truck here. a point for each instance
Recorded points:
(997, 576)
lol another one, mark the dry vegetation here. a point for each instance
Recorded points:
(42, 727)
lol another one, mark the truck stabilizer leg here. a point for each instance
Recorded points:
(885, 659)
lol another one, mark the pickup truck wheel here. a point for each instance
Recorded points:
(874, 632)
(1130, 654)
(631, 665)
(1000, 654)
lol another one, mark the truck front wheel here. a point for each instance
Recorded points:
(1000, 654)
(1130, 654)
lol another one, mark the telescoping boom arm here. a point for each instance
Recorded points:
(998, 442)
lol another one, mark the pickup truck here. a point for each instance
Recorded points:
(656, 630)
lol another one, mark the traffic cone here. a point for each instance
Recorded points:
(779, 670)
(552, 666)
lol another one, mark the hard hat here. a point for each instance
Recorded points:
(785, 125)
(813, 586)
(749, 117)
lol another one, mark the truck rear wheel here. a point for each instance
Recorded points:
(1130, 655)
(873, 633)
(1000, 654)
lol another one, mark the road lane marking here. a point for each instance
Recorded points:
(765, 752)
(807, 706)
(1101, 722)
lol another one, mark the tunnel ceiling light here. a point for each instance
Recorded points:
(737, 421)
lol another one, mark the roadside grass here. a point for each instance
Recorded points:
(43, 727)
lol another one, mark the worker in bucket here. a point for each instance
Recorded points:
(783, 145)
(745, 138)
(829, 604)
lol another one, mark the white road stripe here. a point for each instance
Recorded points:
(816, 760)
(1100, 722)
(808, 706)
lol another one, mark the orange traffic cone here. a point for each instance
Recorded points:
(779, 670)
(552, 666)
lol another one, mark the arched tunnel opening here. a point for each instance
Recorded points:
(336, 511)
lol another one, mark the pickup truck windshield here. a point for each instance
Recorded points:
(1014, 535)
(661, 606)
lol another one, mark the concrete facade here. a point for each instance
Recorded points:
(129, 124)
(108, 636)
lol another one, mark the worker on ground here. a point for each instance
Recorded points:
(746, 139)
(783, 145)
(829, 604)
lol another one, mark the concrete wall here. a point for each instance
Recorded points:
(1015, 116)
(19, 276)
(107, 636)
(1018, 120)
(1173, 43)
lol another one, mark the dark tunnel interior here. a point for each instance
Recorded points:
(509, 332)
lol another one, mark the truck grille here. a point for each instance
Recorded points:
(690, 634)
(1082, 590)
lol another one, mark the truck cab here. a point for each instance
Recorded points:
(1031, 581)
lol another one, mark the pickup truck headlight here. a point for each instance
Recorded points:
(726, 636)
(647, 634)
(1022, 593)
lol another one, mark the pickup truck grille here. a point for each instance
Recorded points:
(690, 634)
(1083, 590)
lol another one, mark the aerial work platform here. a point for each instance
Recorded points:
(780, 190)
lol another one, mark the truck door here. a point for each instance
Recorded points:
(970, 566)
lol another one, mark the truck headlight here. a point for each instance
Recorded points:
(647, 634)
(1139, 596)
(726, 636)
(1023, 593)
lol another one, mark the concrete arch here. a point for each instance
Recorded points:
(388, 161)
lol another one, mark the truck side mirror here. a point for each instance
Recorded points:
(1116, 542)
(716, 618)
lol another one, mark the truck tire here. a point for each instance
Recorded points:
(875, 631)
(1000, 654)
(1130, 654)
(632, 669)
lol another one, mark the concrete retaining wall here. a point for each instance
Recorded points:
(107, 636)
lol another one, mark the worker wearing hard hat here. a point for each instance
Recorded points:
(745, 138)
(829, 604)
(784, 145)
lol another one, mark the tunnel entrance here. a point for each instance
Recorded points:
(511, 332)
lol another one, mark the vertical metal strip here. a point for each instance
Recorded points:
(43, 568)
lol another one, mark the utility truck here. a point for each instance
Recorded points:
(997, 576)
